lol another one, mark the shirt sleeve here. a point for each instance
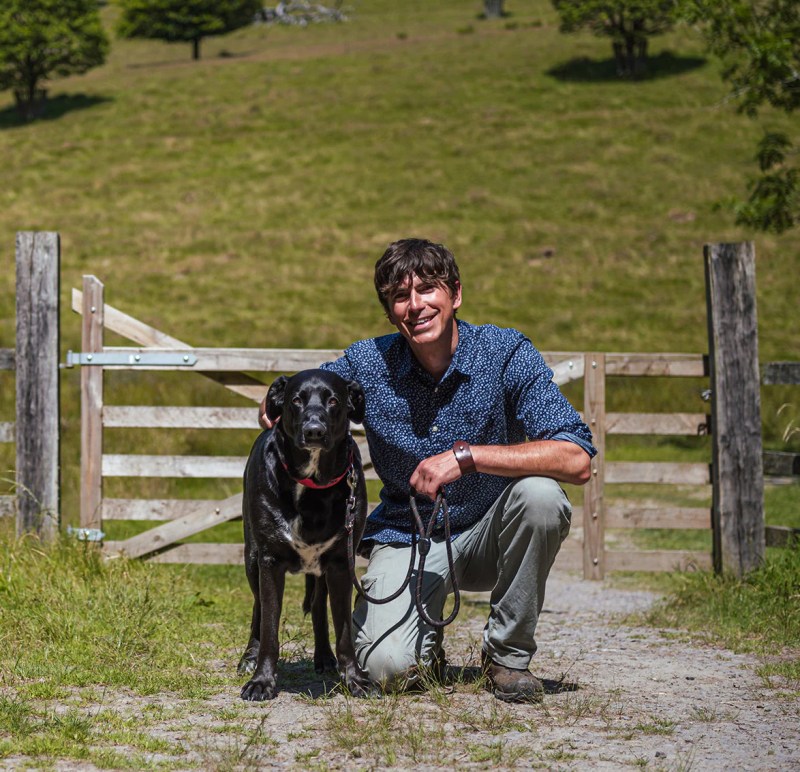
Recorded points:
(538, 403)
(343, 367)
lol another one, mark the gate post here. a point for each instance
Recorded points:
(594, 413)
(92, 406)
(737, 468)
(38, 256)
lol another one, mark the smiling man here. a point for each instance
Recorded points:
(472, 410)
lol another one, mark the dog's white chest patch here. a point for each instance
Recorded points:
(309, 554)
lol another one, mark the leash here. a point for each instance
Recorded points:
(424, 536)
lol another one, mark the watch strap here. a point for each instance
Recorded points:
(464, 458)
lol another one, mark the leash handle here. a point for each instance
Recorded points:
(419, 535)
(439, 505)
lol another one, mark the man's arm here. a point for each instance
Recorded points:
(562, 460)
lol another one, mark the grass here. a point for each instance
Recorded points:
(760, 613)
(243, 199)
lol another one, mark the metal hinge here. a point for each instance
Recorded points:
(143, 359)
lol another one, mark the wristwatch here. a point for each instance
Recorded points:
(463, 455)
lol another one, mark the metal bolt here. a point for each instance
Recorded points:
(217, 510)
(594, 364)
(185, 357)
(594, 471)
(93, 309)
(88, 357)
(596, 561)
(571, 365)
(594, 515)
(136, 357)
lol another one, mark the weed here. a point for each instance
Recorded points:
(495, 753)
(656, 725)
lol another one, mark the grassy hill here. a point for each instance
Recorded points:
(242, 200)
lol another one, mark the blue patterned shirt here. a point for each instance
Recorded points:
(497, 391)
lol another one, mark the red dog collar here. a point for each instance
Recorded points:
(309, 483)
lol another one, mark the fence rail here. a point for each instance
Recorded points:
(179, 519)
(731, 367)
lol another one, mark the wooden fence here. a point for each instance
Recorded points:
(735, 517)
(36, 362)
(185, 518)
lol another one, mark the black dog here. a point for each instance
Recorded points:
(297, 482)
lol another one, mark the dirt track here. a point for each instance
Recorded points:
(620, 697)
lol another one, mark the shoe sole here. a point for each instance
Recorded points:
(518, 696)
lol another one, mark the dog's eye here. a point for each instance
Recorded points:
(297, 401)
(333, 402)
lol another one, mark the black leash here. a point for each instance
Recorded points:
(419, 533)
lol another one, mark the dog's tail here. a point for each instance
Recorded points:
(311, 583)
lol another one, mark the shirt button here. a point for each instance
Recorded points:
(434, 428)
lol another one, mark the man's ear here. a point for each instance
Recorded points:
(356, 403)
(275, 397)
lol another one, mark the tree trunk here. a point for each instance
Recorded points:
(196, 48)
(493, 9)
(30, 100)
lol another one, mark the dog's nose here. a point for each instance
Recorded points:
(314, 431)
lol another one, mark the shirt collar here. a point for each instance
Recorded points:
(407, 362)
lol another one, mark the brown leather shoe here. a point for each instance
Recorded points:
(512, 685)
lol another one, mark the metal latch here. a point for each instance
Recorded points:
(86, 534)
(127, 359)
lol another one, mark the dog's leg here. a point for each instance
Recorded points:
(247, 664)
(323, 656)
(341, 594)
(264, 683)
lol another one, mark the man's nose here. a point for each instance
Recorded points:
(415, 301)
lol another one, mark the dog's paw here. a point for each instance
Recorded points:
(324, 660)
(359, 685)
(259, 689)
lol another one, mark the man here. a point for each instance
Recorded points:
(472, 410)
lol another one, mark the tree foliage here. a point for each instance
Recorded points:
(758, 42)
(42, 39)
(186, 21)
(629, 24)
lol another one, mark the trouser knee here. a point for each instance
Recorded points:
(539, 505)
(388, 663)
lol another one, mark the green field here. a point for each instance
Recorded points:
(242, 200)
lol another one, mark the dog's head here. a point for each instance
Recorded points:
(315, 407)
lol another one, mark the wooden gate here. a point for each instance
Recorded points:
(587, 548)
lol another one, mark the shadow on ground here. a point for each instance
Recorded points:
(53, 108)
(298, 677)
(586, 70)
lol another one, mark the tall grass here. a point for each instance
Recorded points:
(760, 613)
(70, 618)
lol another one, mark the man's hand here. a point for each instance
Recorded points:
(435, 472)
(263, 419)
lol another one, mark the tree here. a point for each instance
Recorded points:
(186, 21)
(629, 24)
(759, 44)
(40, 39)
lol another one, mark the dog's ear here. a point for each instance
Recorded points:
(356, 404)
(275, 397)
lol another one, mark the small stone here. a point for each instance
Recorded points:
(661, 755)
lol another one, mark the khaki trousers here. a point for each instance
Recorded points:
(508, 553)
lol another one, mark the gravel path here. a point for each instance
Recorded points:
(620, 697)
